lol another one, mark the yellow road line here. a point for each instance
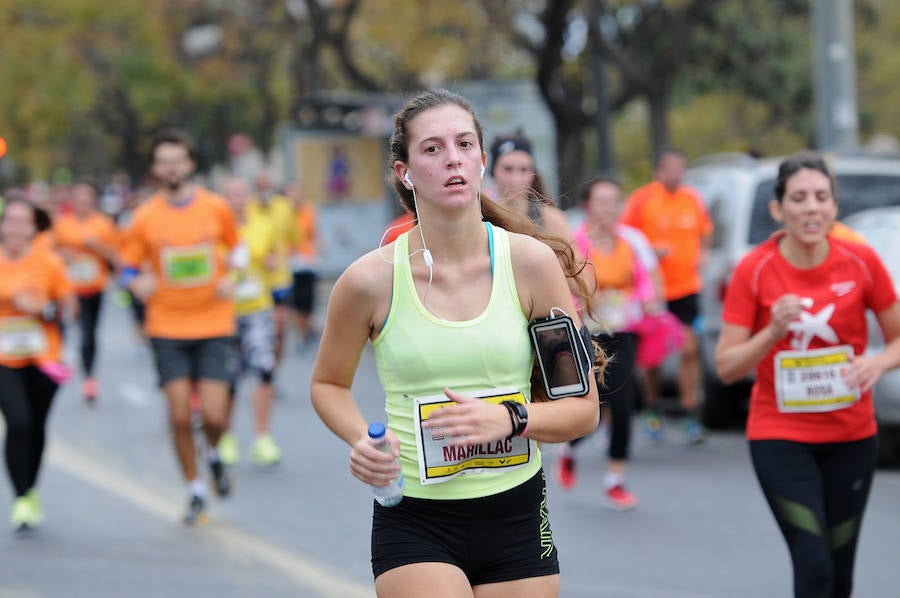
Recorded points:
(309, 574)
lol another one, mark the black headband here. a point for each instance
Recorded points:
(509, 144)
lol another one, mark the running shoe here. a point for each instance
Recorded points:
(565, 471)
(618, 498)
(196, 512)
(693, 430)
(653, 426)
(37, 509)
(264, 452)
(121, 298)
(89, 390)
(221, 481)
(22, 516)
(229, 452)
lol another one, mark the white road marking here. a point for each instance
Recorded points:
(308, 573)
(134, 394)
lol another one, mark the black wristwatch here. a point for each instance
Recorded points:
(519, 414)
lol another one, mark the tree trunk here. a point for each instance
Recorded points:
(659, 121)
(605, 160)
(569, 151)
(266, 126)
(129, 133)
(133, 162)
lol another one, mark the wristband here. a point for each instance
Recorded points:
(127, 275)
(524, 430)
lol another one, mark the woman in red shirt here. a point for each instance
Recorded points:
(33, 290)
(795, 311)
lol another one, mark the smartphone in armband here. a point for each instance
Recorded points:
(562, 356)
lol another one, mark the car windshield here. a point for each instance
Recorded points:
(855, 192)
(717, 191)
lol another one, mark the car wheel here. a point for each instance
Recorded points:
(724, 405)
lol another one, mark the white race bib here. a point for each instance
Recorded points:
(83, 269)
(22, 337)
(614, 310)
(439, 461)
(248, 289)
(811, 381)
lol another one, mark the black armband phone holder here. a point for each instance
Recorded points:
(562, 354)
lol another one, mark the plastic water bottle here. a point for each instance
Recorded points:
(390, 495)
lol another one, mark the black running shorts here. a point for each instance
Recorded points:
(196, 359)
(303, 295)
(686, 308)
(495, 538)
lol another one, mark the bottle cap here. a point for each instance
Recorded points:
(376, 430)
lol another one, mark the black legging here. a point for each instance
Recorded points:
(88, 319)
(818, 494)
(618, 390)
(25, 398)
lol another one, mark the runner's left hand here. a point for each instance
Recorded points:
(864, 372)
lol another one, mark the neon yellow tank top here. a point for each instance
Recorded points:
(418, 355)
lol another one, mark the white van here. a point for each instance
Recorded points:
(736, 189)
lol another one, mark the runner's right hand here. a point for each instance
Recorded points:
(785, 309)
(370, 465)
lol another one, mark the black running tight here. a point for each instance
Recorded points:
(88, 319)
(618, 390)
(818, 494)
(25, 398)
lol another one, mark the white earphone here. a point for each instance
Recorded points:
(482, 171)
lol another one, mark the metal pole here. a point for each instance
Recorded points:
(837, 116)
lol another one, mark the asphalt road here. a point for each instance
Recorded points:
(113, 499)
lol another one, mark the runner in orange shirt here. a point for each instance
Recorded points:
(187, 234)
(675, 221)
(621, 270)
(86, 239)
(33, 290)
(304, 263)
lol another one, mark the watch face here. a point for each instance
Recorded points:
(522, 412)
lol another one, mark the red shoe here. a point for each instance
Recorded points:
(619, 499)
(565, 471)
(89, 390)
(194, 400)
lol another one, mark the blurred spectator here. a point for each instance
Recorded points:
(675, 221)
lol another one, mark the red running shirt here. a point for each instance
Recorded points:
(850, 280)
